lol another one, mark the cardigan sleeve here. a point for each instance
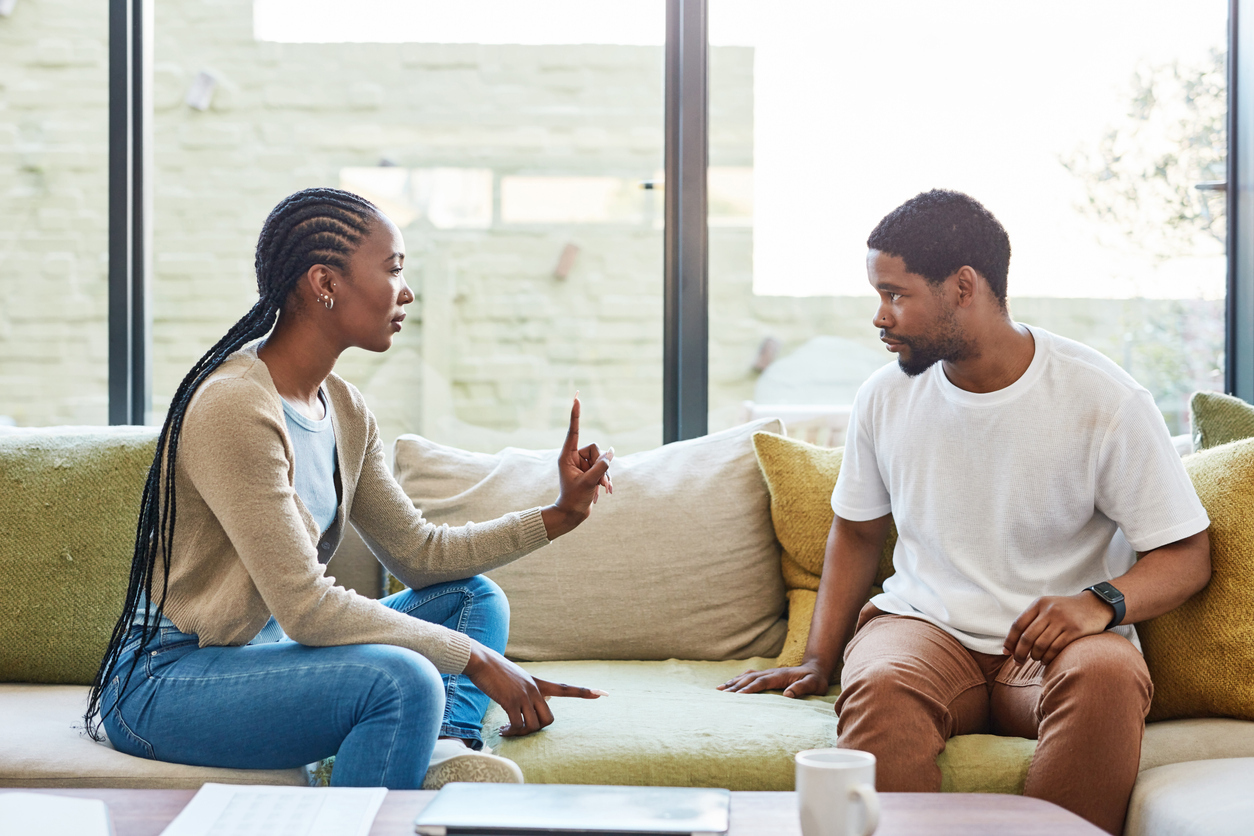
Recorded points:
(421, 553)
(233, 452)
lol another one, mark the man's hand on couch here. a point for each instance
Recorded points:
(801, 681)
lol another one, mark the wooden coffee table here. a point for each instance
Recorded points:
(147, 812)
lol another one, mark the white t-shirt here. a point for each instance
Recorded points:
(1044, 487)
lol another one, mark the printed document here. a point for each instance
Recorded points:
(45, 814)
(243, 810)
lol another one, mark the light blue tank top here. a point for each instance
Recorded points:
(313, 444)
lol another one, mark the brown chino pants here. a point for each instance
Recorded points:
(908, 686)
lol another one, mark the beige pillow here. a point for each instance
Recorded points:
(681, 562)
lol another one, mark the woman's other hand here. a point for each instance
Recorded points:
(581, 473)
(524, 698)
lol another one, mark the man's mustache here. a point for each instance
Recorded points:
(888, 335)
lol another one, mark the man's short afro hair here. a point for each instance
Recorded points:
(940, 231)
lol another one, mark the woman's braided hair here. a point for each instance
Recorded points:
(314, 226)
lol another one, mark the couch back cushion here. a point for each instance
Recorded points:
(680, 562)
(800, 478)
(69, 502)
(1201, 654)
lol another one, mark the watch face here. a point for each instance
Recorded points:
(1107, 592)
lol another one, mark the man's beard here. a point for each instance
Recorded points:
(946, 342)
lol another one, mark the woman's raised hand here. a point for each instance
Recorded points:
(581, 473)
(523, 697)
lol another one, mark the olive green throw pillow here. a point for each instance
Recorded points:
(1201, 654)
(69, 501)
(800, 478)
(1218, 419)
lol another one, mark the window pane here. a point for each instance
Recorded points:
(509, 141)
(1088, 147)
(54, 143)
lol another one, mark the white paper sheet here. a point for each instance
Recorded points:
(45, 814)
(250, 810)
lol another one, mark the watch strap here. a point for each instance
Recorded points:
(1120, 611)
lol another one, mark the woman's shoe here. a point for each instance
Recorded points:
(452, 760)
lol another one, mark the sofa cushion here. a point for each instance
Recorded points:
(68, 508)
(1219, 419)
(800, 478)
(679, 563)
(42, 744)
(1201, 654)
(665, 724)
(1178, 741)
(1200, 798)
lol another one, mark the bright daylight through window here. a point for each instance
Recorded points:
(1089, 148)
(519, 145)
(1092, 163)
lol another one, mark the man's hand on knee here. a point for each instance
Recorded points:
(800, 681)
(1052, 623)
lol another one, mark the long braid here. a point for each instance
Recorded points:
(314, 226)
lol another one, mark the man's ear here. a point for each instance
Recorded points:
(968, 283)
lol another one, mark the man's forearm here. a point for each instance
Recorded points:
(1165, 578)
(849, 564)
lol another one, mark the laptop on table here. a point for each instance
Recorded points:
(573, 810)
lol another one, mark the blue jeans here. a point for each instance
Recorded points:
(377, 707)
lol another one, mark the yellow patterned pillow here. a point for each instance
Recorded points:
(800, 478)
(1201, 654)
(1218, 419)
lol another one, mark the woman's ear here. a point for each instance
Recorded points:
(318, 285)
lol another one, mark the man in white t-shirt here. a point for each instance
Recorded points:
(1041, 511)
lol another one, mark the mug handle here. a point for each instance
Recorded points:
(870, 803)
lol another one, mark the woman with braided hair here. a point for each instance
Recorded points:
(234, 648)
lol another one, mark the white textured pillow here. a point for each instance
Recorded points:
(681, 562)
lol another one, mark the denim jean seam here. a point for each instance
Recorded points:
(463, 590)
(117, 714)
(450, 692)
(387, 760)
(279, 671)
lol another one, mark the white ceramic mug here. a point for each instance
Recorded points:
(836, 792)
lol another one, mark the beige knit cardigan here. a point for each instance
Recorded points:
(245, 547)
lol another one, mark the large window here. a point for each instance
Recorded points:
(511, 142)
(519, 145)
(1084, 128)
(53, 213)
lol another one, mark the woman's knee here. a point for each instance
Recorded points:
(402, 680)
(485, 613)
(487, 594)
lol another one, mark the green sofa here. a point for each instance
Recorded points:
(68, 507)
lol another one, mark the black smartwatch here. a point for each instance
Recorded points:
(1107, 592)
